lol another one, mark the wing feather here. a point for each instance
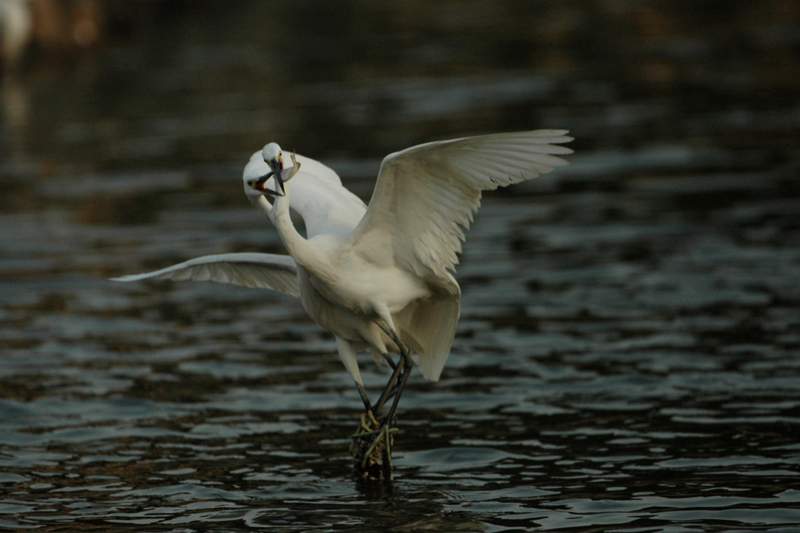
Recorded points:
(261, 271)
(424, 201)
(426, 196)
(428, 327)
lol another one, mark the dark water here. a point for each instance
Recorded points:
(627, 358)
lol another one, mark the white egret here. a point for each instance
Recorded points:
(379, 278)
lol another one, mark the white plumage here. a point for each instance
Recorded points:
(257, 271)
(380, 277)
(318, 195)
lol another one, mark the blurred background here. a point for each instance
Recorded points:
(628, 351)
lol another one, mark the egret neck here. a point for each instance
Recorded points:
(297, 245)
(265, 206)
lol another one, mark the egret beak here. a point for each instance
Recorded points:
(276, 165)
(260, 185)
(279, 178)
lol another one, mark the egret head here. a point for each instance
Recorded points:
(263, 172)
(273, 156)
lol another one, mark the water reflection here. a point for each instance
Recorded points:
(626, 358)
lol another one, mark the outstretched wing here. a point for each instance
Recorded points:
(426, 196)
(317, 194)
(261, 271)
(423, 203)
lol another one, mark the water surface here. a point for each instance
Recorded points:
(627, 358)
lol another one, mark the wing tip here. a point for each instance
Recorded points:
(566, 150)
(562, 138)
(547, 138)
(549, 132)
(127, 278)
(558, 162)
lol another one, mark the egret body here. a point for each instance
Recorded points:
(379, 278)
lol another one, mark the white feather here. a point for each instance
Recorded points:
(259, 271)
(424, 201)
(426, 196)
(361, 270)
(318, 195)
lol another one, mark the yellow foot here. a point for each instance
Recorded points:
(372, 448)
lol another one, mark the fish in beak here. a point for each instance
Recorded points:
(281, 175)
(260, 185)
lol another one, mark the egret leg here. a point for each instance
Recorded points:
(386, 393)
(389, 361)
(377, 455)
(364, 398)
(405, 366)
(405, 362)
(373, 444)
(347, 354)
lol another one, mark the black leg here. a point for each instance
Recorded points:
(396, 368)
(405, 362)
(389, 361)
(387, 391)
(364, 398)
(372, 444)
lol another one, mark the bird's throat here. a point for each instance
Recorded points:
(297, 246)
